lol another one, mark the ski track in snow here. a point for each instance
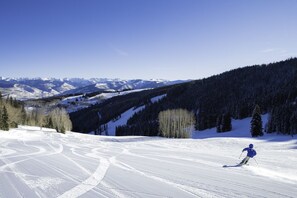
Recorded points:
(36, 163)
(292, 179)
(187, 189)
(90, 182)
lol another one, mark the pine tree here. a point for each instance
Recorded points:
(219, 124)
(5, 125)
(293, 124)
(11, 101)
(1, 120)
(23, 114)
(226, 123)
(256, 123)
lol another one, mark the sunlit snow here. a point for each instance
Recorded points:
(43, 163)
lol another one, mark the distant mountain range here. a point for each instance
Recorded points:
(32, 88)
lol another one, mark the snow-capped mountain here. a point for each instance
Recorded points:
(29, 88)
(119, 85)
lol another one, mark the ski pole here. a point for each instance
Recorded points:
(240, 155)
(256, 161)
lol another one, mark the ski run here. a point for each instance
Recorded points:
(43, 163)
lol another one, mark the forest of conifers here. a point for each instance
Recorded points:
(273, 87)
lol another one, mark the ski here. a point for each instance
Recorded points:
(236, 165)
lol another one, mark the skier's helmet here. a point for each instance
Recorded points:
(251, 146)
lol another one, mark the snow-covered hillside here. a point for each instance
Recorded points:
(75, 103)
(43, 163)
(112, 125)
(32, 88)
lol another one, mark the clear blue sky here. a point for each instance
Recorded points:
(128, 39)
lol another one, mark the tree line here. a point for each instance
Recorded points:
(13, 113)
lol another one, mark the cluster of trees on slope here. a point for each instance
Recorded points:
(13, 113)
(213, 101)
(176, 123)
(56, 118)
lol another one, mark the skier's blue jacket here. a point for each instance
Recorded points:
(250, 151)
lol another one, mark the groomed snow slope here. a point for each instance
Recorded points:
(36, 163)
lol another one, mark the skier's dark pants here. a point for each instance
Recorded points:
(245, 160)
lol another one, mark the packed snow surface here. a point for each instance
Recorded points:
(43, 163)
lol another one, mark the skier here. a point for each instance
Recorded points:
(250, 154)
